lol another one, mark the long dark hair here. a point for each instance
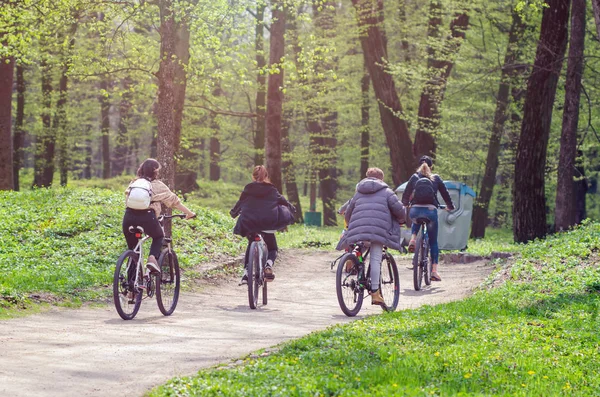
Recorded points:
(148, 169)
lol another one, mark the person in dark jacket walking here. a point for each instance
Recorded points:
(421, 194)
(374, 215)
(262, 209)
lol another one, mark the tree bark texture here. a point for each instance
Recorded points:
(7, 67)
(46, 140)
(374, 45)
(480, 210)
(596, 12)
(215, 153)
(174, 50)
(261, 80)
(104, 99)
(365, 83)
(529, 204)
(122, 142)
(565, 209)
(289, 173)
(19, 135)
(439, 64)
(275, 95)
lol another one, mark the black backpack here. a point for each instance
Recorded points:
(424, 191)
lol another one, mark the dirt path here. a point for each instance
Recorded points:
(92, 352)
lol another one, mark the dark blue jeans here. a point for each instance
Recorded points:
(432, 227)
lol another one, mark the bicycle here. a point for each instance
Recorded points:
(257, 259)
(353, 279)
(422, 256)
(131, 280)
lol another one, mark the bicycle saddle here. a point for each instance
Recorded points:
(421, 221)
(136, 229)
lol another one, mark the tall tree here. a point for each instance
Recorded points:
(365, 83)
(7, 66)
(45, 141)
(439, 67)
(529, 203)
(261, 80)
(104, 99)
(172, 79)
(374, 45)
(480, 211)
(275, 94)
(566, 202)
(122, 145)
(19, 135)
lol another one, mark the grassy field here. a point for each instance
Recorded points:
(59, 245)
(531, 331)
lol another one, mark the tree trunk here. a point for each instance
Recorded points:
(566, 202)
(261, 79)
(104, 99)
(45, 141)
(60, 118)
(19, 135)
(480, 210)
(289, 173)
(529, 204)
(174, 50)
(275, 95)
(596, 12)
(365, 82)
(7, 66)
(374, 44)
(122, 142)
(581, 189)
(215, 153)
(439, 64)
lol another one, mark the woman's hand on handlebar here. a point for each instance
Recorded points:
(189, 215)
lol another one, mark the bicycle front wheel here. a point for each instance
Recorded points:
(168, 282)
(389, 283)
(349, 292)
(254, 278)
(418, 263)
(126, 297)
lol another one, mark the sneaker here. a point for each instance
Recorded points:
(377, 299)
(269, 276)
(411, 246)
(435, 276)
(244, 277)
(152, 265)
(131, 297)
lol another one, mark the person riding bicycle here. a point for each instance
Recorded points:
(262, 209)
(159, 193)
(374, 215)
(421, 193)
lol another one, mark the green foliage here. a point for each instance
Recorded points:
(535, 334)
(65, 241)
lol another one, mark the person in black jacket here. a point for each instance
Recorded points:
(262, 209)
(421, 195)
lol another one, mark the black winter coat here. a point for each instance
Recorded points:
(261, 207)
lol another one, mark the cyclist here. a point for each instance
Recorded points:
(148, 218)
(264, 210)
(421, 193)
(374, 215)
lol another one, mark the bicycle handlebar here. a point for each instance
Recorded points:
(182, 216)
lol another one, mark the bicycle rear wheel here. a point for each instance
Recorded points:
(254, 281)
(168, 282)
(389, 283)
(126, 297)
(349, 292)
(418, 263)
(427, 262)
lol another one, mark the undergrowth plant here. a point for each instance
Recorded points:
(533, 331)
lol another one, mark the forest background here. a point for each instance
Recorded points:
(502, 94)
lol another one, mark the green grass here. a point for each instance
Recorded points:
(63, 243)
(534, 334)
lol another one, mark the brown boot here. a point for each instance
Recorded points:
(152, 265)
(377, 299)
